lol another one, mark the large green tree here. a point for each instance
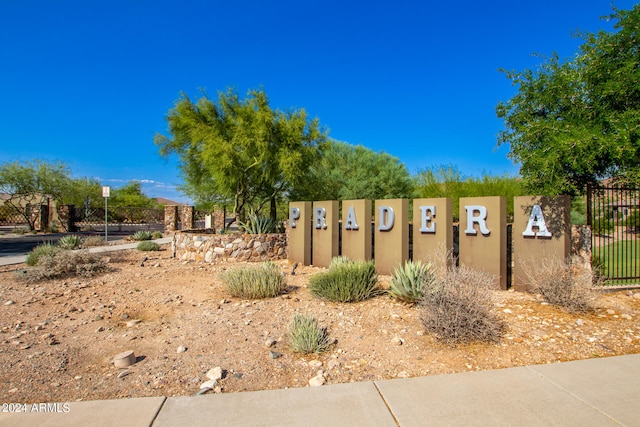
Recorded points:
(131, 195)
(28, 185)
(355, 172)
(572, 123)
(241, 151)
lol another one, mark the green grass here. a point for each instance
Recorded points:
(619, 259)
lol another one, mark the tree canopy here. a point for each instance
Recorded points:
(348, 171)
(27, 185)
(447, 181)
(240, 151)
(573, 123)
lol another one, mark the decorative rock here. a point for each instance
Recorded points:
(124, 373)
(626, 316)
(215, 374)
(507, 311)
(403, 374)
(315, 363)
(124, 359)
(10, 302)
(318, 380)
(611, 311)
(397, 341)
(181, 349)
(209, 384)
(579, 322)
(275, 354)
(270, 342)
(132, 323)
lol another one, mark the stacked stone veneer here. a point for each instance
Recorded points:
(241, 247)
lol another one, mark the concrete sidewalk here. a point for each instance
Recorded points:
(594, 392)
(19, 259)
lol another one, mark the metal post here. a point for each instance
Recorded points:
(106, 220)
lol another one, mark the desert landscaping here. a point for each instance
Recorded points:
(60, 337)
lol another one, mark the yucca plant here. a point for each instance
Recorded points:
(262, 281)
(307, 336)
(69, 242)
(142, 235)
(411, 280)
(346, 281)
(47, 249)
(258, 224)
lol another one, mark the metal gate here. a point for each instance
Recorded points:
(614, 216)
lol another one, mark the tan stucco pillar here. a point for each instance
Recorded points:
(483, 236)
(541, 230)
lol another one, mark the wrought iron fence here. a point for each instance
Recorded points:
(614, 216)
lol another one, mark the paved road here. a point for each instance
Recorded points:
(16, 245)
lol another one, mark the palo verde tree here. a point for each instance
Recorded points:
(240, 150)
(28, 185)
(576, 122)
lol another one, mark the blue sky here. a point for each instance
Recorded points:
(89, 83)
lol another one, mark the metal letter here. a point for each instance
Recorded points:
(536, 219)
(480, 219)
(351, 223)
(426, 219)
(294, 213)
(386, 211)
(320, 218)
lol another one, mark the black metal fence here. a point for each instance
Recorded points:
(118, 218)
(614, 216)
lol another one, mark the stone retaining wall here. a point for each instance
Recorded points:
(193, 246)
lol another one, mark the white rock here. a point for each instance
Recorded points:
(397, 341)
(270, 342)
(132, 323)
(318, 380)
(507, 311)
(315, 363)
(579, 322)
(403, 374)
(209, 384)
(182, 349)
(215, 373)
(9, 302)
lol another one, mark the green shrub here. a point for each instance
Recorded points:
(306, 335)
(346, 281)
(142, 235)
(258, 224)
(65, 264)
(459, 309)
(93, 241)
(42, 250)
(262, 281)
(157, 235)
(148, 246)
(562, 283)
(411, 280)
(69, 242)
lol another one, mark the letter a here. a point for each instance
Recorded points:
(536, 219)
(351, 223)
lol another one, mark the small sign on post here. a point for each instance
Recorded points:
(106, 190)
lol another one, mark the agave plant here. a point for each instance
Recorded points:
(142, 235)
(258, 224)
(69, 242)
(411, 280)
